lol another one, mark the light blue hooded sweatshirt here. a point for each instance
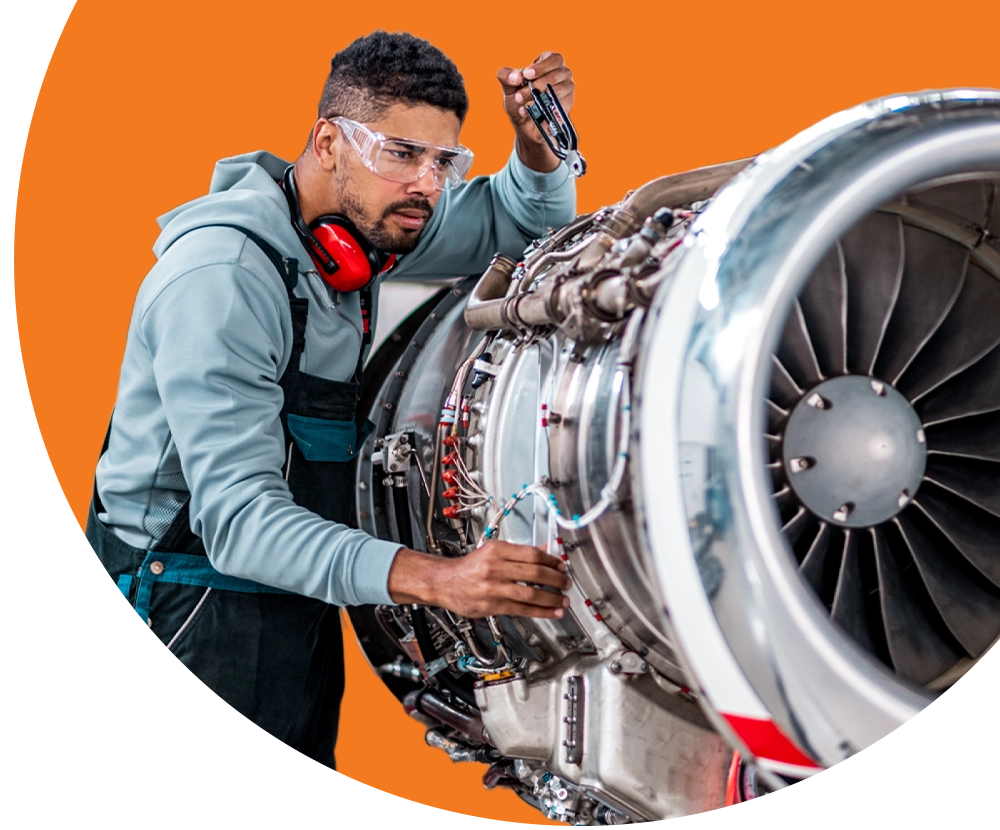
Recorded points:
(210, 336)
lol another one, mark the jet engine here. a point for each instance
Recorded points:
(755, 408)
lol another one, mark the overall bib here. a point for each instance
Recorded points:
(274, 656)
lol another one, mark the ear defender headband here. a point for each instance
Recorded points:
(343, 257)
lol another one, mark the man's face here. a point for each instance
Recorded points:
(392, 215)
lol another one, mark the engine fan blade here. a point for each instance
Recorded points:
(917, 649)
(784, 391)
(967, 204)
(773, 448)
(932, 278)
(776, 417)
(992, 223)
(973, 392)
(796, 353)
(970, 332)
(969, 606)
(974, 437)
(973, 532)
(975, 481)
(824, 309)
(848, 609)
(813, 567)
(795, 526)
(874, 255)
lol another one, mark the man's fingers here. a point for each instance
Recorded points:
(526, 595)
(523, 553)
(517, 609)
(538, 575)
(545, 62)
(510, 79)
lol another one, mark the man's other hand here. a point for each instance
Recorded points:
(547, 68)
(490, 580)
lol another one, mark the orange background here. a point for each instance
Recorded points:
(141, 99)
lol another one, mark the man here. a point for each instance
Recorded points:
(222, 498)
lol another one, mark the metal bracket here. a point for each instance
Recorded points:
(393, 452)
(574, 719)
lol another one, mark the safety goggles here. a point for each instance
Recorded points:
(404, 160)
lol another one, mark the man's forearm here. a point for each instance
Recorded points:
(414, 577)
(535, 156)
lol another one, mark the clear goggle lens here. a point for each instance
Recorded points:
(403, 160)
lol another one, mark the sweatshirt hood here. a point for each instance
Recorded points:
(244, 192)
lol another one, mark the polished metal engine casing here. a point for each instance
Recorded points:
(619, 420)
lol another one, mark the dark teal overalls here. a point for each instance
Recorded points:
(274, 656)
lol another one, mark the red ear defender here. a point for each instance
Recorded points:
(358, 263)
(341, 254)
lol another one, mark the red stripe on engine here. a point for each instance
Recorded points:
(766, 741)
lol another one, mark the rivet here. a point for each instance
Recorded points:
(797, 465)
(879, 388)
(157, 568)
(843, 512)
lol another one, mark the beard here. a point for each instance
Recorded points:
(377, 231)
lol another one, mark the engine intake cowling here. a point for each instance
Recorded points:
(755, 408)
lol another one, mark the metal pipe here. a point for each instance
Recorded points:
(430, 705)
(486, 300)
(489, 307)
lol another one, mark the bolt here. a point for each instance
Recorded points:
(555, 418)
(921, 438)
(843, 512)
(879, 388)
(401, 374)
(458, 292)
(904, 499)
(387, 405)
(644, 667)
(797, 465)
(403, 439)
(616, 667)
(362, 486)
(817, 402)
(378, 509)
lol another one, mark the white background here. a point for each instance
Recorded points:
(98, 727)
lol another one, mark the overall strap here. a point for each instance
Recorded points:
(288, 270)
(178, 536)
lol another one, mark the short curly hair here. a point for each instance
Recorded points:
(380, 69)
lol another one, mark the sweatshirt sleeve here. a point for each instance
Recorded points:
(501, 213)
(214, 336)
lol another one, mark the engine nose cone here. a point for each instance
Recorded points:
(854, 451)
